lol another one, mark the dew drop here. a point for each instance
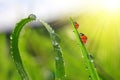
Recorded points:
(52, 31)
(91, 56)
(95, 68)
(11, 37)
(64, 63)
(11, 52)
(82, 56)
(91, 60)
(56, 58)
(89, 77)
(10, 47)
(86, 68)
(12, 56)
(65, 75)
(55, 43)
(17, 71)
(32, 16)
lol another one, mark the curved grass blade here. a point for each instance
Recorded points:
(88, 61)
(60, 71)
(14, 46)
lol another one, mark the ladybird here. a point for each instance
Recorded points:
(76, 25)
(83, 38)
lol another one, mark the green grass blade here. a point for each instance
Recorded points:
(88, 62)
(14, 46)
(60, 71)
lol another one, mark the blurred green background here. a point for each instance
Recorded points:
(38, 54)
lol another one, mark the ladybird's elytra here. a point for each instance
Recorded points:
(83, 38)
(76, 25)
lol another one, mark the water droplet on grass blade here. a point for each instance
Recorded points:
(10, 47)
(55, 43)
(89, 77)
(64, 63)
(86, 68)
(32, 16)
(65, 75)
(52, 32)
(82, 56)
(56, 37)
(12, 56)
(10, 37)
(91, 60)
(91, 57)
(56, 58)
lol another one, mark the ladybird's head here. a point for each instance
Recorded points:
(81, 34)
(75, 22)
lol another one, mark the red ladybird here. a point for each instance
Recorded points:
(76, 25)
(83, 38)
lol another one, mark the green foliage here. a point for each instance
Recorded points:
(60, 71)
(88, 60)
(14, 46)
(38, 57)
(15, 53)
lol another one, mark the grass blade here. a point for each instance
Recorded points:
(60, 71)
(89, 63)
(14, 46)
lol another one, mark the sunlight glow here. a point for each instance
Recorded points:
(112, 5)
